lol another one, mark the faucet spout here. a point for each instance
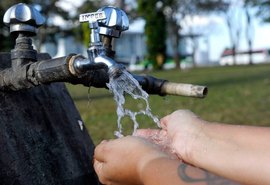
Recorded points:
(102, 59)
(80, 65)
(114, 69)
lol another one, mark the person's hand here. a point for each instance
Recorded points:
(121, 161)
(178, 132)
(183, 127)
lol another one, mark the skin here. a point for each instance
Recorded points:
(136, 161)
(153, 157)
(244, 150)
(119, 162)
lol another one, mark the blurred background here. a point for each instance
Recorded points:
(223, 44)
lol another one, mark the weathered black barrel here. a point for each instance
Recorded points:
(42, 139)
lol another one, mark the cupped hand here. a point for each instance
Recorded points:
(178, 132)
(121, 161)
(183, 127)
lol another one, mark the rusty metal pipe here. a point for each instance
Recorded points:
(64, 69)
(162, 87)
(180, 89)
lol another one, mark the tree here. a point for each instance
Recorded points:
(50, 9)
(233, 20)
(230, 11)
(155, 30)
(262, 7)
(234, 24)
(165, 16)
(170, 10)
(249, 28)
(176, 11)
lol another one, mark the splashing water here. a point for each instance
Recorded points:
(126, 83)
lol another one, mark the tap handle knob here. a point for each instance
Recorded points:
(116, 21)
(23, 18)
(93, 18)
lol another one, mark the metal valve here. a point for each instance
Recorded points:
(116, 22)
(23, 18)
(111, 22)
(97, 54)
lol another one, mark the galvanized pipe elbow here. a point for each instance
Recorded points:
(79, 65)
(114, 69)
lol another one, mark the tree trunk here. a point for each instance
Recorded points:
(234, 54)
(175, 31)
(194, 50)
(233, 42)
(249, 35)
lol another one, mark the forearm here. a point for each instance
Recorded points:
(160, 172)
(240, 153)
(167, 172)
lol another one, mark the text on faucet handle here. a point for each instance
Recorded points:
(92, 17)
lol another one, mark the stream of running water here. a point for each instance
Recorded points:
(127, 84)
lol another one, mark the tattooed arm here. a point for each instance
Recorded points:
(190, 174)
(173, 172)
(236, 152)
(135, 161)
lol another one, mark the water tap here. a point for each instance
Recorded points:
(115, 23)
(108, 22)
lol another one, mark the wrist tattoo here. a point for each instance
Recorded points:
(205, 177)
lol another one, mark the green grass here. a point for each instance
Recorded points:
(237, 95)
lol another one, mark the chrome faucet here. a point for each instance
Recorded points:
(115, 23)
(108, 22)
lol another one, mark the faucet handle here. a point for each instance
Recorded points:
(92, 18)
(116, 21)
(23, 18)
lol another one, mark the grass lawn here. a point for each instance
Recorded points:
(236, 95)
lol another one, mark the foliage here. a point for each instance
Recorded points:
(176, 12)
(155, 30)
(263, 7)
(213, 5)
